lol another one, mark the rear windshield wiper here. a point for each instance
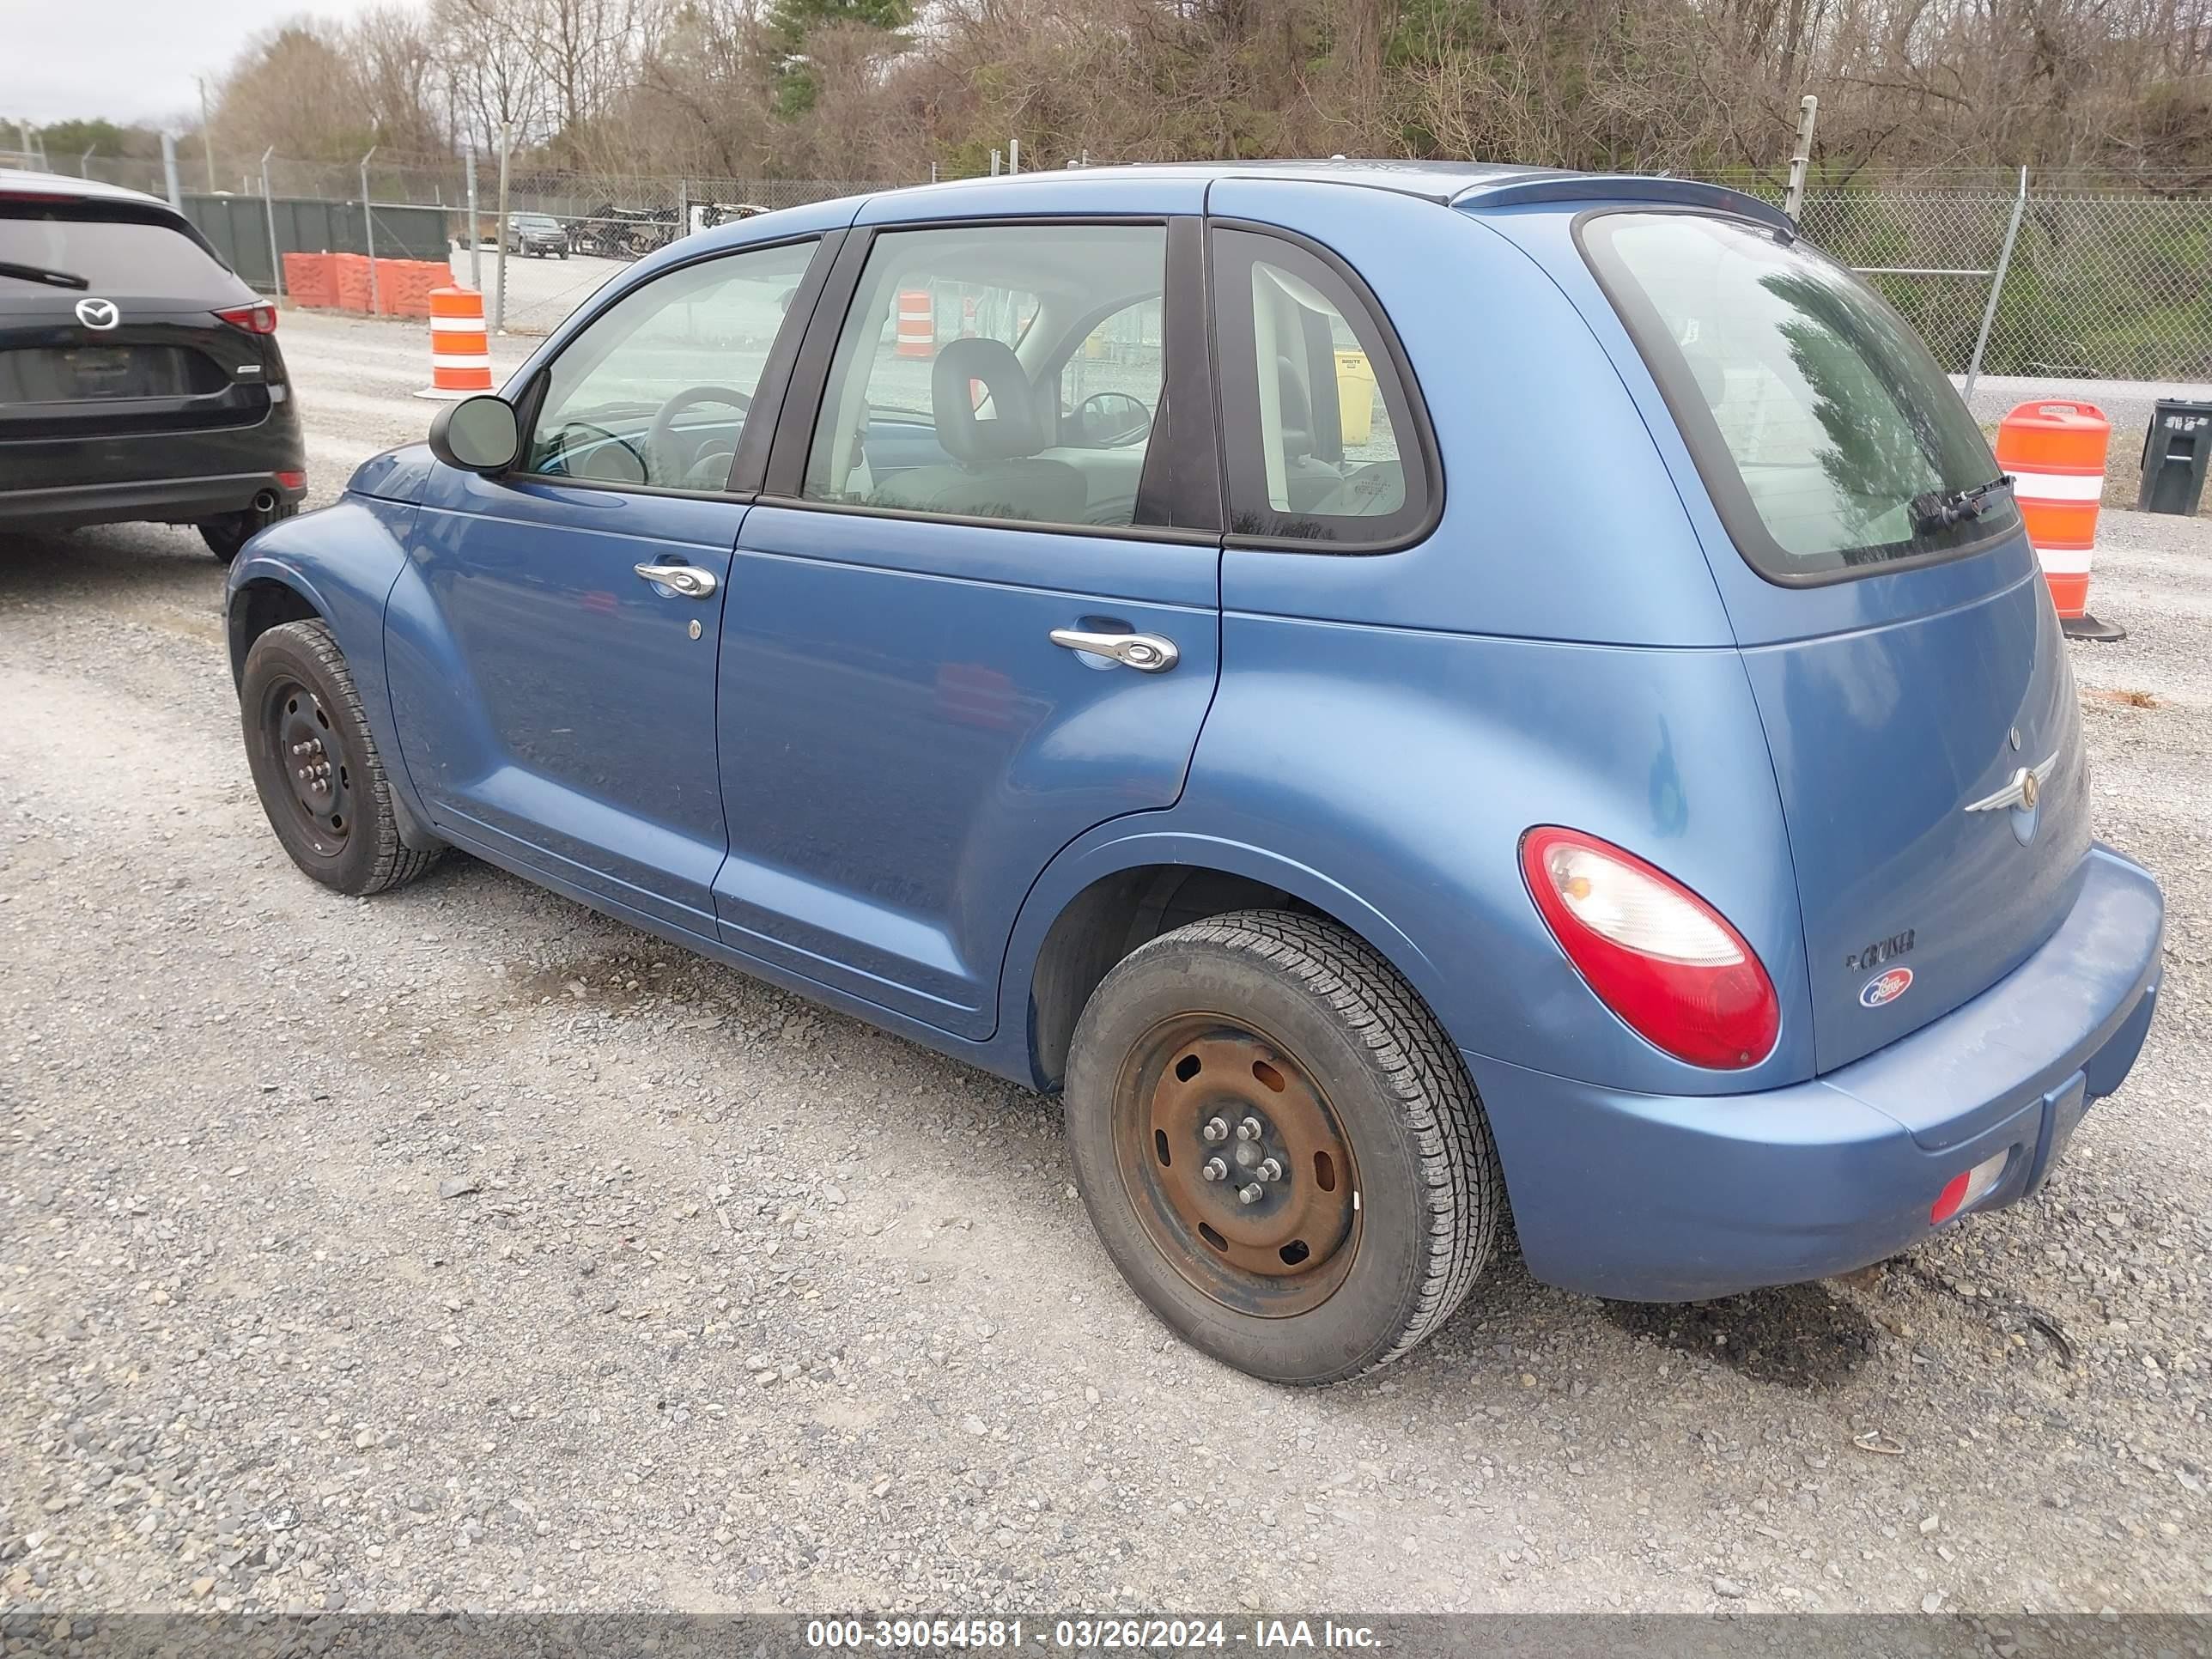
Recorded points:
(1939, 509)
(40, 274)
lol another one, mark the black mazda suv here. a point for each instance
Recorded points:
(139, 376)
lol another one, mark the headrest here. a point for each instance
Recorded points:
(1013, 428)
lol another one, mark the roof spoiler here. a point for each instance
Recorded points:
(1621, 187)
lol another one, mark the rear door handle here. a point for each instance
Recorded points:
(687, 579)
(1148, 653)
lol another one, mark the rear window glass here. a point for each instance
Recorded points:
(1828, 436)
(114, 254)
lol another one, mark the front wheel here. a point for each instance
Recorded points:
(315, 764)
(225, 536)
(1279, 1147)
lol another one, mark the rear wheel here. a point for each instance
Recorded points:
(226, 535)
(1279, 1146)
(316, 766)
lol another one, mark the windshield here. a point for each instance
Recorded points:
(1816, 416)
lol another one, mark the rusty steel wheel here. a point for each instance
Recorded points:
(1280, 1149)
(1238, 1169)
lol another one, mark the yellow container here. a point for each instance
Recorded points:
(1355, 395)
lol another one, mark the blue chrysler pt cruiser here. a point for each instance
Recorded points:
(1391, 688)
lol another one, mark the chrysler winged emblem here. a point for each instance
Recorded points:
(2020, 790)
(99, 314)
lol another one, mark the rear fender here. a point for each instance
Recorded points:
(1385, 777)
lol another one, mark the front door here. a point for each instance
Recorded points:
(977, 612)
(554, 665)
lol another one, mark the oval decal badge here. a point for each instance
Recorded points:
(1885, 988)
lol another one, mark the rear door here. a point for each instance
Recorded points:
(1918, 705)
(934, 680)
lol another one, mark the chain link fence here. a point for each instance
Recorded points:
(2103, 283)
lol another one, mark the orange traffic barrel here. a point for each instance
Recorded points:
(2055, 452)
(460, 351)
(917, 323)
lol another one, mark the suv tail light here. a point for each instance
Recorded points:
(254, 320)
(1661, 957)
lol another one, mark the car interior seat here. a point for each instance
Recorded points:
(1307, 478)
(996, 472)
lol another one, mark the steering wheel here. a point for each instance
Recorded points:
(661, 439)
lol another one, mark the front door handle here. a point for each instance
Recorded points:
(1148, 653)
(687, 579)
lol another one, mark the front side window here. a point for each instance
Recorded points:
(1829, 437)
(949, 391)
(1318, 426)
(657, 390)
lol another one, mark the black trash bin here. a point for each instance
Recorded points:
(2176, 450)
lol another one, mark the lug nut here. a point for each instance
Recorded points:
(1214, 1131)
(1270, 1171)
(1251, 1195)
(1213, 1170)
(1249, 1129)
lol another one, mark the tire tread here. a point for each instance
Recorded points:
(395, 863)
(1463, 1195)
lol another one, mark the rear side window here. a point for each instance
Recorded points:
(1317, 420)
(116, 250)
(1829, 437)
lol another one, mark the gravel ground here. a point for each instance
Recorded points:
(462, 1248)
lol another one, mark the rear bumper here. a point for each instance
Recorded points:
(65, 477)
(1667, 1198)
(169, 501)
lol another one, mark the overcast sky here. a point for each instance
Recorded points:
(129, 60)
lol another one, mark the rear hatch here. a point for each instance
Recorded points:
(1910, 671)
(108, 325)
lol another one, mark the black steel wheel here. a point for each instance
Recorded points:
(316, 766)
(1279, 1147)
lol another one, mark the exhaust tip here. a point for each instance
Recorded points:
(265, 502)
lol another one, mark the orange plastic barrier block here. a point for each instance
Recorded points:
(309, 280)
(352, 272)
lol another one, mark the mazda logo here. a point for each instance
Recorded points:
(99, 314)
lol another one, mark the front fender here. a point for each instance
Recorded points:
(340, 561)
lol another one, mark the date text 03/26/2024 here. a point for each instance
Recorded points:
(1107, 1635)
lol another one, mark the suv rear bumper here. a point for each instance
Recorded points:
(1672, 1198)
(161, 500)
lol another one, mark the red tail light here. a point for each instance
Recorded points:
(1661, 957)
(254, 320)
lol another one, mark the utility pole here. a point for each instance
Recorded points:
(1800, 157)
(207, 133)
(169, 171)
